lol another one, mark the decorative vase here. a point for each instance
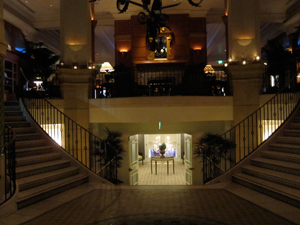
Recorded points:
(162, 153)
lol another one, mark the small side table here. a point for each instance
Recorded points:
(167, 159)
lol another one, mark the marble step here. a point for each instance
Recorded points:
(286, 167)
(33, 151)
(39, 193)
(295, 126)
(18, 124)
(41, 179)
(288, 140)
(34, 159)
(30, 143)
(284, 148)
(292, 133)
(14, 118)
(278, 191)
(13, 113)
(288, 180)
(30, 170)
(11, 103)
(24, 130)
(29, 136)
(12, 108)
(283, 156)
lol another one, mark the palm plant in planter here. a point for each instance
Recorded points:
(213, 149)
(112, 150)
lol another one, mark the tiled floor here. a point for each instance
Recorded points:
(159, 205)
(100, 204)
(148, 178)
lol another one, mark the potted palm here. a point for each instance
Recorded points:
(162, 149)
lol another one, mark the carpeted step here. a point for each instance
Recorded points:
(284, 148)
(30, 143)
(278, 191)
(287, 167)
(34, 159)
(14, 118)
(24, 130)
(283, 156)
(34, 151)
(12, 108)
(295, 126)
(45, 178)
(11, 103)
(39, 193)
(13, 113)
(30, 170)
(288, 140)
(18, 124)
(292, 133)
(288, 180)
(30, 136)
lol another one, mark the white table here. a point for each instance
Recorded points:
(167, 159)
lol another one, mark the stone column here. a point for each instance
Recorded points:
(76, 49)
(3, 47)
(245, 69)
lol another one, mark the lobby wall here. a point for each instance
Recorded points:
(189, 36)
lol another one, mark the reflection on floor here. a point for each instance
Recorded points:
(146, 178)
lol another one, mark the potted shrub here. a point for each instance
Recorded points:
(162, 149)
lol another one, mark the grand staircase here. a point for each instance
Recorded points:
(41, 170)
(277, 171)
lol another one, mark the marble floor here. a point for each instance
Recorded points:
(161, 178)
(101, 204)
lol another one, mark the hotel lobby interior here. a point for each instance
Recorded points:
(106, 105)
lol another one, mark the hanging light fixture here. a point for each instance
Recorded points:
(208, 69)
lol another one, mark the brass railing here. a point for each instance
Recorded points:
(250, 133)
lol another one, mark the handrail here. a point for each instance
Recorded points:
(84, 146)
(253, 131)
(7, 155)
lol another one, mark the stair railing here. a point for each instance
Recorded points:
(254, 130)
(8, 160)
(85, 147)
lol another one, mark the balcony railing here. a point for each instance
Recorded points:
(250, 133)
(7, 157)
(161, 80)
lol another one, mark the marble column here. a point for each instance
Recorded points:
(76, 49)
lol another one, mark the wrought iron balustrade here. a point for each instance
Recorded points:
(161, 80)
(250, 133)
(7, 157)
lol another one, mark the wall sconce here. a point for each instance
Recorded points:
(106, 68)
(244, 42)
(90, 65)
(75, 66)
(124, 53)
(197, 50)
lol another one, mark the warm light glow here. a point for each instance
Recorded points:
(208, 69)
(230, 60)
(75, 66)
(257, 58)
(54, 132)
(244, 42)
(244, 62)
(225, 64)
(123, 50)
(265, 64)
(106, 67)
